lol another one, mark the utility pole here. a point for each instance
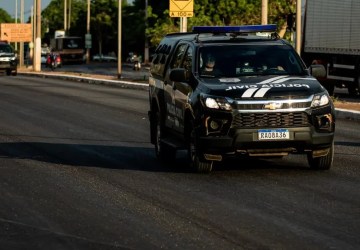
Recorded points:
(16, 19)
(264, 12)
(88, 31)
(31, 44)
(146, 53)
(21, 43)
(69, 15)
(65, 16)
(37, 56)
(298, 27)
(119, 40)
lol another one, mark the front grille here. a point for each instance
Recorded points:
(259, 106)
(271, 119)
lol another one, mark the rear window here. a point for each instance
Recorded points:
(247, 60)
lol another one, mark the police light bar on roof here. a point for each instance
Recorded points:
(235, 29)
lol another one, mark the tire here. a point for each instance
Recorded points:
(323, 162)
(197, 161)
(163, 152)
(8, 72)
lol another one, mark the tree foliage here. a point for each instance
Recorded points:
(5, 17)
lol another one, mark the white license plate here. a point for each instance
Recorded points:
(273, 134)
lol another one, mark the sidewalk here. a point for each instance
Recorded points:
(139, 80)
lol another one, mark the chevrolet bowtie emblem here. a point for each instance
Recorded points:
(273, 105)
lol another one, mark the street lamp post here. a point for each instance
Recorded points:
(119, 40)
(88, 31)
(146, 52)
(21, 56)
(264, 12)
(298, 26)
(37, 55)
(65, 15)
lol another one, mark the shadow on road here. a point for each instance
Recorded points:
(130, 158)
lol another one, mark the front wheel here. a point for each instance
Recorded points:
(322, 162)
(197, 161)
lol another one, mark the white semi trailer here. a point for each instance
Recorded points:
(331, 37)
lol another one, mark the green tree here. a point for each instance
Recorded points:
(135, 28)
(53, 18)
(103, 15)
(5, 17)
(221, 12)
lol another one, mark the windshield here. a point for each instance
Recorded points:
(247, 60)
(72, 43)
(5, 48)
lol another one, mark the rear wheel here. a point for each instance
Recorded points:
(322, 162)
(197, 161)
(163, 151)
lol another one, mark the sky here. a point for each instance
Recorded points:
(10, 5)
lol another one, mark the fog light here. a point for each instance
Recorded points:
(325, 122)
(214, 125)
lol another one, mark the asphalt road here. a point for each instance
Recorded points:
(78, 172)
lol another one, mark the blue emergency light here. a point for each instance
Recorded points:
(235, 29)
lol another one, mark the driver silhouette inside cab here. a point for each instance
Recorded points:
(208, 67)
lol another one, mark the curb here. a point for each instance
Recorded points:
(347, 114)
(339, 113)
(115, 83)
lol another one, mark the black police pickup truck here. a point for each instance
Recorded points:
(237, 90)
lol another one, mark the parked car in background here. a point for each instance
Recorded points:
(8, 59)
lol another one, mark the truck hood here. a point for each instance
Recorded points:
(263, 87)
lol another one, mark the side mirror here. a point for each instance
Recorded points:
(317, 70)
(179, 75)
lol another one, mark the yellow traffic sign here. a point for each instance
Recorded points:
(16, 32)
(181, 8)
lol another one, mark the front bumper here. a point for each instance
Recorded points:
(8, 65)
(308, 131)
(246, 141)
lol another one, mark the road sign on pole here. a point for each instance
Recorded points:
(16, 32)
(181, 8)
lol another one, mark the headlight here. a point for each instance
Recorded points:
(216, 103)
(320, 100)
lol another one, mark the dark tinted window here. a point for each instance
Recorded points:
(240, 60)
(5, 48)
(72, 43)
(178, 56)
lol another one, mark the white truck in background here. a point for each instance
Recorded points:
(331, 37)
